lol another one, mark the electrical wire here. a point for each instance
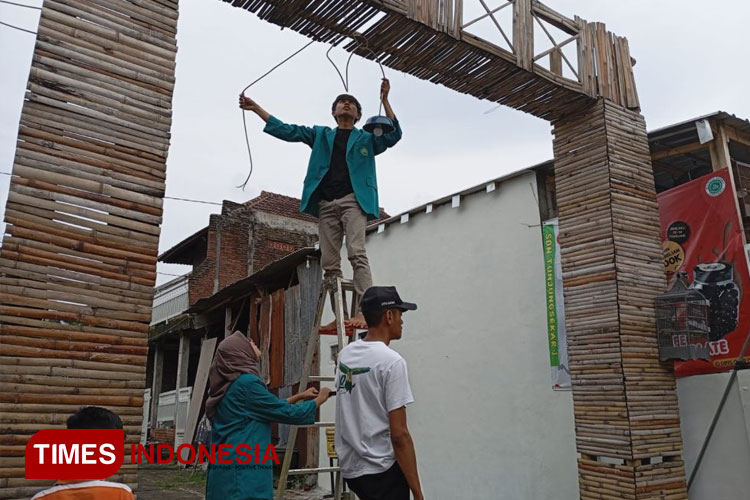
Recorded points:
(244, 121)
(192, 201)
(345, 83)
(17, 28)
(360, 42)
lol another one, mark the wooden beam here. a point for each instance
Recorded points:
(227, 321)
(721, 158)
(199, 388)
(734, 135)
(523, 34)
(554, 18)
(719, 148)
(487, 14)
(679, 150)
(555, 61)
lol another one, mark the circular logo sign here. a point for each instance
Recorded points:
(674, 256)
(715, 186)
(678, 231)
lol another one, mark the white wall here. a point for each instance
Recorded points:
(724, 472)
(486, 422)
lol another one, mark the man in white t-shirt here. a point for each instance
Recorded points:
(375, 449)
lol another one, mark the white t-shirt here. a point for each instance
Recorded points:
(371, 380)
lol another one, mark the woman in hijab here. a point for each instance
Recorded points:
(241, 410)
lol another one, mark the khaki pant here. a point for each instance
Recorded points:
(336, 219)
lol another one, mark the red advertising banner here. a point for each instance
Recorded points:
(74, 453)
(702, 237)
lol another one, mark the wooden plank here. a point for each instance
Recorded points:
(523, 29)
(265, 338)
(293, 347)
(276, 365)
(208, 346)
(253, 326)
(554, 18)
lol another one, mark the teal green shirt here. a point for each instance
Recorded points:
(360, 158)
(244, 416)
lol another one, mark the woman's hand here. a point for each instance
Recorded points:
(323, 395)
(310, 393)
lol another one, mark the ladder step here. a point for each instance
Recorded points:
(319, 470)
(319, 424)
(321, 378)
(346, 285)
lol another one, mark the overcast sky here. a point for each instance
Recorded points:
(691, 60)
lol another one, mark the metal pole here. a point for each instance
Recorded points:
(732, 376)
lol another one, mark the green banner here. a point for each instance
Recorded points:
(548, 234)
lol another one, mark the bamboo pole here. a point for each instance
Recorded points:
(32, 155)
(14, 276)
(106, 152)
(113, 286)
(86, 231)
(91, 127)
(30, 312)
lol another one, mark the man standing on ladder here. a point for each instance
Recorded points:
(375, 450)
(340, 187)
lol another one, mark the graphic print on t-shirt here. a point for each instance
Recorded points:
(346, 379)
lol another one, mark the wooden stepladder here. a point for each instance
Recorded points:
(336, 289)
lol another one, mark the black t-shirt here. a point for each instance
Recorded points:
(337, 183)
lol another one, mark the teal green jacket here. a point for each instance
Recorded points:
(360, 157)
(244, 415)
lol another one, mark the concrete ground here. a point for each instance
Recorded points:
(167, 482)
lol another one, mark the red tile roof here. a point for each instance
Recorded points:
(278, 204)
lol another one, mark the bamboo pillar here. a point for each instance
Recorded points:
(625, 402)
(78, 259)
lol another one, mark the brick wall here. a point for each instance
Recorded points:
(271, 244)
(201, 281)
(247, 240)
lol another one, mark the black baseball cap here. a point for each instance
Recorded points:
(380, 298)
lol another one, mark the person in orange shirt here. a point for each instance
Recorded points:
(89, 417)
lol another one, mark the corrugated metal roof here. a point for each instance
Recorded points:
(732, 120)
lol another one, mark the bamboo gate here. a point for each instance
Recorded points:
(77, 265)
